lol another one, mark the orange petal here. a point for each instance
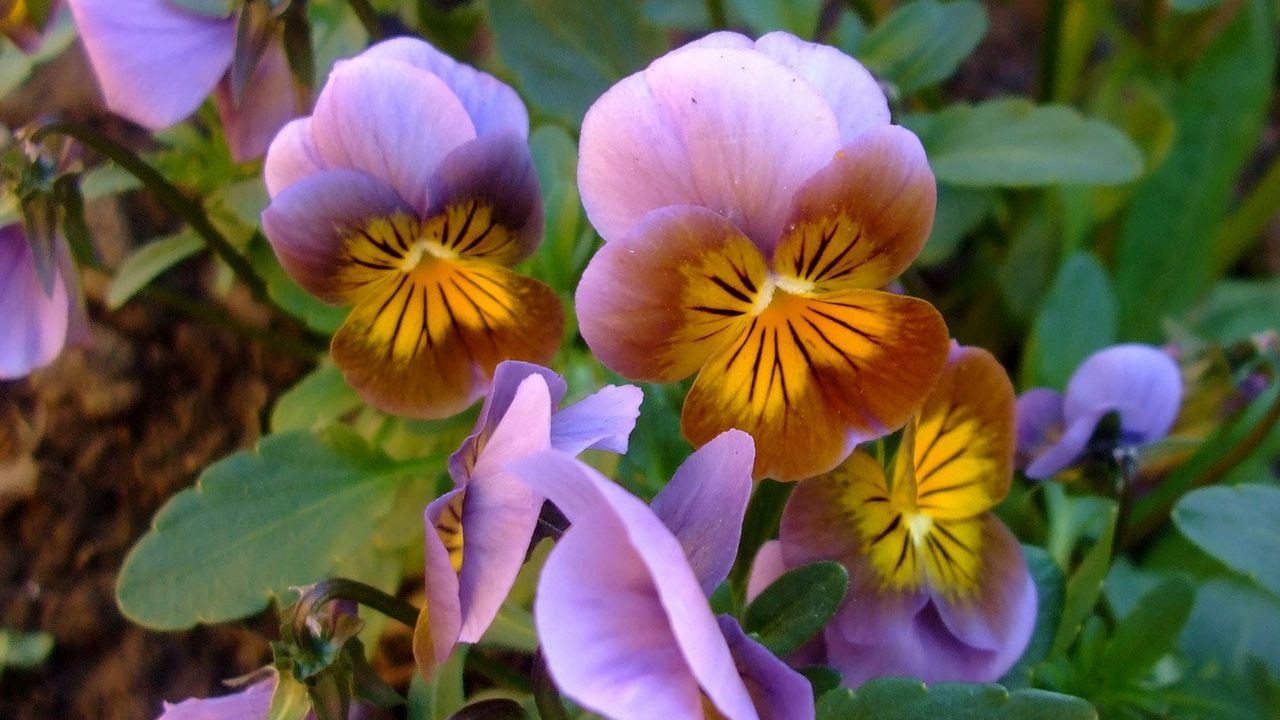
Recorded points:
(809, 377)
(964, 438)
(861, 220)
(425, 343)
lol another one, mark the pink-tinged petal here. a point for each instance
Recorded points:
(767, 567)
(1039, 423)
(726, 129)
(493, 106)
(155, 62)
(33, 325)
(1067, 449)
(440, 621)
(291, 156)
(390, 120)
(854, 95)
(495, 170)
(1140, 382)
(618, 526)
(270, 101)
(602, 420)
(251, 703)
(311, 222)
(705, 502)
(779, 692)
(507, 378)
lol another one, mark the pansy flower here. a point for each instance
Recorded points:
(36, 319)
(754, 198)
(621, 605)
(479, 532)
(408, 195)
(939, 589)
(157, 61)
(1141, 384)
(251, 703)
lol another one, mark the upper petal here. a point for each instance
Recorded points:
(492, 105)
(33, 324)
(155, 62)
(705, 502)
(390, 120)
(1140, 382)
(291, 156)
(862, 219)
(270, 101)
(602, 420)
(726, 129)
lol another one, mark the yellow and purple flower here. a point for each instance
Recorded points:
(754, 198)
(939, 589)
(37, 319)
(409, 194)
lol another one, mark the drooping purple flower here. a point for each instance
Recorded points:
(478, 533)
(938, 587)
(409, 194)
(1140, 383)
(35, 323)
(755, 198)
(621, 606)
(157, 61)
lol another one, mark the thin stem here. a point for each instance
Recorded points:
(1244, 225)
(1051, 50)
(715, 11)
(368, 18)
(325, 591)
(1125, 463)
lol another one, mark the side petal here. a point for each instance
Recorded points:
(291, 156)
(726, 129)
(602, 420)
(779, 692)
(1140, 382)
(155, 63)
(249, 704)
(33, 324)
(507, 378)
(705, 502)
(435, 635)
(390, 120)
(655, 304)
(854, 95)
(861, 219)
(318, 227)
(1039, 422)
(270, 101)
(492, 105)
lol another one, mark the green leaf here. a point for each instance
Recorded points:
(922, 43)
(1050, 589)
(258, 523)
(1084, 587)
(512, 629)
(823, 679)
(24, 649)
(1218, 112)
(676, 14)
(324, 319)
(960, 211)
(1013, 143)
(905, 699)
(798, 17)
(317, 400)
(147, 263)
(219, 9)
(1237, 309)
(562, 256)
(796, 606)
(1077, 318)
(1190, 6)
(443, 695)
(764, 512)
(1240, 526)
(1148, 632)
(566, 53)
(107, 180)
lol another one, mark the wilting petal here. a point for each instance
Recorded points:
(291, 156)
(963, 456)
(270, 101)
(854, 95)
(440, 621)
(1039, 422)
(862, 219)
(390, 120)
(155, 62)
(493, 106)
(779, 692)
(1139, 382)
(33, 325)
(729, 130)
(493, 177)
(251, 703)
(318, 227)
(656, 303)
(705, 502)
(767, 567)
(602, 420)
(625, 625)
(811, 377)
(425, 343)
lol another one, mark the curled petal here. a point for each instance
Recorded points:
(270, 101)
(34, 325)
(291, 156)
(862, 219)
(155, 62)
(655, 304)
(507, 378)
(602, 420)
(492, 105)
(390, 120)
(726, 129)
(251, 703)
(779, 692)
(1039, 422)
(1140, 382)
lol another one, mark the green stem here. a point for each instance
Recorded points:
(325, 591)
(1238, 232)
(368, 18)
(1051, 50)
(715, 11)
(1125, 466)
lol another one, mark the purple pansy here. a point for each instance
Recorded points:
(621, 606)
(1140, 383)
(157, 61)
(35, 323)
(479, 532)
(409, 194)
(252, 703)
